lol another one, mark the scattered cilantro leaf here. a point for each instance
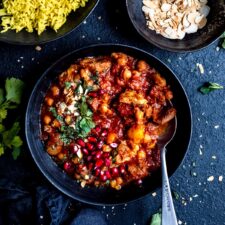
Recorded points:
(1, 149)
(2, 128)
(3, 114)
(14, 89)
(9, 135)
(2, 98)
(16, 142)
(67, 84)
(10, 99)
(83, 107)
(85, 124)
(55, 114)
(209, 86)
(15, 153)
(156, 219)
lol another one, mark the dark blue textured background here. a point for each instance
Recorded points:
(200, 202)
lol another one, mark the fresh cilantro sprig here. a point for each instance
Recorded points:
(10, 98)
(208, 87)
(85, 124)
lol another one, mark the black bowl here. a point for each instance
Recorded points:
(72, 22)
(204, 37)
(176, 149)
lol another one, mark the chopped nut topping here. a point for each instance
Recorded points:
(174, 18)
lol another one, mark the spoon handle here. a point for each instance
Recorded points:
(168, 212)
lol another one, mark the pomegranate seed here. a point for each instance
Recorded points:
(98, 155)
(122, 169)
(93, 94)
(107, 162)
(115, 171)
(104, 133)
(93, 153)
(103, 177)
(102, 173)
(81, 142)
(100, 144)
(92, 139)
(85, 151)
(106, 154)
(90, 146)
(90, 166)
(89, 158)
(97, 172)
(99, 163)
(114, 145)
(101, 92)
(97, 129)
(108, 175)
(68, 167)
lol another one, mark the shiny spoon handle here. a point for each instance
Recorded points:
(168, 212)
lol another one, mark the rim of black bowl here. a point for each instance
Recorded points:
(56, 182)
(183, 50)
(92, 5)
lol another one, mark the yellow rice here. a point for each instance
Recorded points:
(36, 14)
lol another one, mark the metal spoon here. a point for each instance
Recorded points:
(168, 212)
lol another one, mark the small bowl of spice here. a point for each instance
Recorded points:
(28, 22)
(178, 25)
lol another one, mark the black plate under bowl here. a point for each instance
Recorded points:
(204, 37)
(176, 149)
(72, 22)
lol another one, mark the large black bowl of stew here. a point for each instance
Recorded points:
(93, 120)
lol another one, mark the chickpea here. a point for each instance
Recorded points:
(119, 180)
(103, 108)
(56, 123)
(126, 74)
(54, 150)
(159, 80)
(113, 183)
(76, 160)
(141, 154)
(55, 91)
(61, 156)
(142, 66)
(111, 137)
(169, 95)
(122, 60)
(47, 119)
(68, 119)
(49, 101)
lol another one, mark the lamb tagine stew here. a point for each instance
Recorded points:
(101, 119)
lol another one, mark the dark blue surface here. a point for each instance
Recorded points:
(200, 203)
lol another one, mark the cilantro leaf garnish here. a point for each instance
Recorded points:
(85, 124)
(156, 219)
(10, 98)
(208, 87)
(14, 89)
(67, 84)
